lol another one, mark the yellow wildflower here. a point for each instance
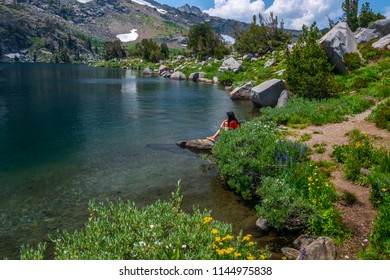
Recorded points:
(217, 239)
(262, 257)
(250, 244)
(229, 250)
(221, 252)
(207, 219)
(247, 237)
(250, 257)
(284, 258)
(237, 254)
(215, 246)
(310, 179)
(384, 190)
(214, 231)
(227, 237)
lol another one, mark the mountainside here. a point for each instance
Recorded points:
(31, 27)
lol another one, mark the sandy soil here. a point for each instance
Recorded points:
(358, 217)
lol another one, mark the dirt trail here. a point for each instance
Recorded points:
(360, 216)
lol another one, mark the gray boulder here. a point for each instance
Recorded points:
(243, 92)
(231, 64)
(283, 98)
(291, 253)
(338, 41)
(378, 29)
(267, 93)
(269, 62)
(178, 76)
(382, 43)
(197, 144)
(195, 76)
(321, 249)
(147, 72)
(263, 226)
(303, 241)
(248, 57)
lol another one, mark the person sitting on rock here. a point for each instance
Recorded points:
(230, 123)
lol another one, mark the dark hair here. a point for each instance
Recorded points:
(232, 117)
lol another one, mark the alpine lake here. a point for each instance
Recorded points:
(73, 133)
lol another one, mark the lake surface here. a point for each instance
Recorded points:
(71, 133)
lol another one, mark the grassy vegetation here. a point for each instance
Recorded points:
(360, 155)
(161, 231)
(258, 164)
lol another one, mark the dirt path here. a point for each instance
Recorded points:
(358, 217)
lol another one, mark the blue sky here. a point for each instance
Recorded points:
(295, 13)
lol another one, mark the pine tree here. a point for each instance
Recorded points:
(351, 9)
(368, 16)
(308, 73)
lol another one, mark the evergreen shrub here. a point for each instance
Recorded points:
(308, 73)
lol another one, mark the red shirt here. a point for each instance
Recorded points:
(233, 124)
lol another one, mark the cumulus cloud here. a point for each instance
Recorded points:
(294, 13)
(387, 12)
(242, 10)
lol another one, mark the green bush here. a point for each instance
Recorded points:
(379, 248)
(247, 154)
(308, 73)
(381, 115)
(352, 61)
(281, 202)
(161, 231)
(303, 112)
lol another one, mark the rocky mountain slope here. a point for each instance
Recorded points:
(26, 26)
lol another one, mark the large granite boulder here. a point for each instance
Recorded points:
(321, 249)
(197, 144)
(338, 41)
(243, 92)
(382, 43)
(306, 248)
(378, 29)
(196, 76)
(231, 64)
(283, 98)
(267, 94)
(178, 76)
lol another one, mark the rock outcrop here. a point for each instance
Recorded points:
(196, 76)
(230, 64)
(382, 43)
(197, 144)
(338, 41)
(307, 248)
(243, 92)
(268, 93)
(178, 76)
(378, 29)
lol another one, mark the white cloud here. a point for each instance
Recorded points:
(242, 10)
(294, 13)
(387, 12)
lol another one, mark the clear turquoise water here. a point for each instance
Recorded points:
(69, 134)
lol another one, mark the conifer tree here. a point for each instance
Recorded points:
(351, 9)
(368, 16)
(308, 72)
